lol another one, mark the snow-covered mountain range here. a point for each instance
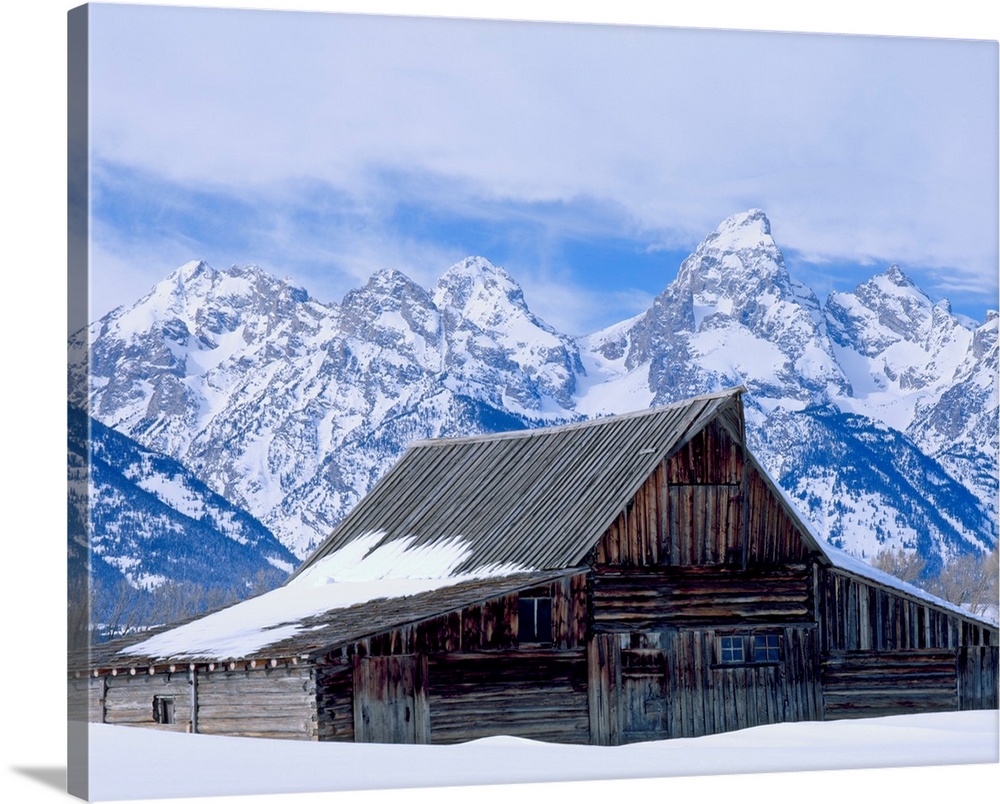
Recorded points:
(877, 411)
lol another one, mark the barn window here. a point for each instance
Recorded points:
(163, 709)
(534, 619)
(750, 648)
(731, 649)
(766, 648)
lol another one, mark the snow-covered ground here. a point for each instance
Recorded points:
(135, 763)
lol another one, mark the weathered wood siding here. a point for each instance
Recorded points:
(889, 682)
(978, 671)
(273, 702)
(128, 699)
(85, 699)
(604, 683)
(708, 696)
(390, 699)
(335, 701)
(660, 597)
(540, 694)
(657, 685)
(890, 653)
(860, 615)
(771, 535)
(703, 506)
(479, 679)
(487, 626)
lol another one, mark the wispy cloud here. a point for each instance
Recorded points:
(864, 149)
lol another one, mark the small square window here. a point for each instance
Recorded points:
(534, 619)
(731, 648)
(766, 648)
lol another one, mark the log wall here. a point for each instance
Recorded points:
(661, 597)
(85, 700)
(540, 695)
(883, 682)
(889, 653)
(335, 702)
(128, 699)
(275, 702)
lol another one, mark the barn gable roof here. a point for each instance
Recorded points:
(528, 500)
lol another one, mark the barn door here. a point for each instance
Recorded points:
(628, 689)
(390, 699)
(644, 694)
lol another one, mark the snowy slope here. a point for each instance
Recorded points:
(151, 522)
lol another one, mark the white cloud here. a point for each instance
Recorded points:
(858, 148)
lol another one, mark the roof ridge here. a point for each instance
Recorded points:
(538, 432)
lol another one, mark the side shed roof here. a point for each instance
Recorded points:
(268, 627)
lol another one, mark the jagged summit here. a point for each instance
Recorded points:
(190, 270)
(386, 280)
(198, 280)
(476, 285)
(740, 242)
(386, 289)
(482, 304)
(895, 275)
(734, 316)
(743, 228)
(474, 266)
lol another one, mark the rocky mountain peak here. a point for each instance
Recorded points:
(895, 275)
(389, 282)
(735, 288)
(481, 304)
(883, 310)
(744, 229)
(191, 270)
(390, 309)
(477, 287)
(739, 260)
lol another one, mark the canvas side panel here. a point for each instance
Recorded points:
(79, 696)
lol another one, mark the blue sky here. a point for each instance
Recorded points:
(586, 159)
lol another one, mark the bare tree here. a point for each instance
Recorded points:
(907, 565)
(971, 581)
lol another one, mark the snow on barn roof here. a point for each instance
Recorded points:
(367, 591)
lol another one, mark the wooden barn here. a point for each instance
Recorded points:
(632, 578)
